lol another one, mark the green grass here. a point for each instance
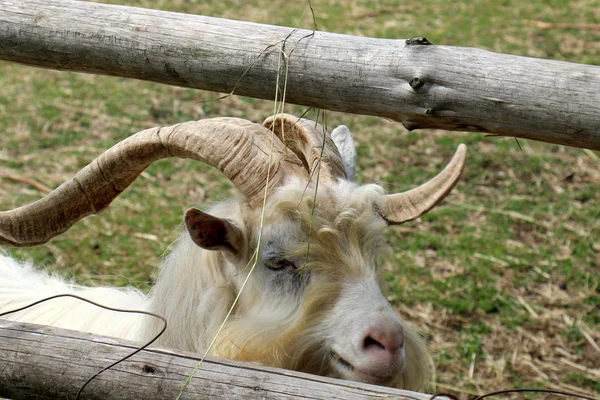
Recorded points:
(502, 278)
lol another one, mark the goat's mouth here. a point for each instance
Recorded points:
(349, 371)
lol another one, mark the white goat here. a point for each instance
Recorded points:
(313, 302)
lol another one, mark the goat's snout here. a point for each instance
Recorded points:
(382, 349)
(376, 356)
(370, 345)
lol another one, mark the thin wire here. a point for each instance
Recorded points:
(312, 11)
(550, 391)
(106, 308)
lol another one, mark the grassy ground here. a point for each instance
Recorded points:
(502, 278)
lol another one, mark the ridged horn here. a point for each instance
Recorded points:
(402, 207)
(305, 138)
(238, 148)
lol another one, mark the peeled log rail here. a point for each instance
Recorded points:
(49, 363)
(421, 85)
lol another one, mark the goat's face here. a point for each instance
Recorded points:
(313, 301)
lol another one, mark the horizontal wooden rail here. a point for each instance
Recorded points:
(421, 85)
(42, 362)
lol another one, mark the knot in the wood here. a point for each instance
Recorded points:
(429, 111)
(416, 83)
(418, 41)
(148, 369)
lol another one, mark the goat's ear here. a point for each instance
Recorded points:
(213, 233)
(342, 137)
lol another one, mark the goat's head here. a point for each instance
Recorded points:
(313, 302)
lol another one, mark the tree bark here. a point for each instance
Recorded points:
(411, 81)
(42, 362)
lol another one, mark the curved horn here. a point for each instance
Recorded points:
(236, 147)
(402, 207)
(305, 139)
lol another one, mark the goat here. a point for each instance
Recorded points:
(312, 237)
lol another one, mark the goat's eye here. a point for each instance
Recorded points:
(279, 263)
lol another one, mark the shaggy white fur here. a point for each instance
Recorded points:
(21, 284)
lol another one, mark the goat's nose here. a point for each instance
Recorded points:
(388, 341)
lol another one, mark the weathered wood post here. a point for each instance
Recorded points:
(49, 363)
(411, 81)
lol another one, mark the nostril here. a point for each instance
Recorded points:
(369, 342)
